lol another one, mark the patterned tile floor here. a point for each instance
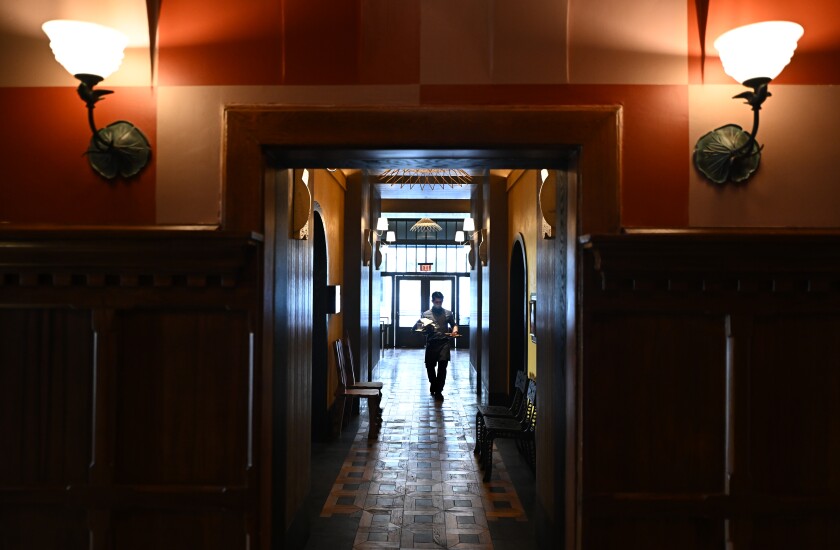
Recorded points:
(418, 485)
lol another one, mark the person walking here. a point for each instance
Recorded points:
(435, 322)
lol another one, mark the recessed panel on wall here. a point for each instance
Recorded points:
(182, 394)
(46, 380)
(208, 530)
(655, 534)
(654, 404)
(31, 526)
(795, 405)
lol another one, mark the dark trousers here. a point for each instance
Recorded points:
(437, 353)
(437, 380)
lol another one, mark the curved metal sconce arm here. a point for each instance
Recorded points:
(729, 153)
(118, 149)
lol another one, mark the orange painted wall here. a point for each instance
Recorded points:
(654, 187)
(407, 52)
(45, 176)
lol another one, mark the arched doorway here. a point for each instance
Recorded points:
(518, 326)
(320, 345)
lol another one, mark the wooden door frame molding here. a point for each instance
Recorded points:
(252, 133)
(596, 130)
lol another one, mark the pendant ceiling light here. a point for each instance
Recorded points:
(426, 177)
(426, 225)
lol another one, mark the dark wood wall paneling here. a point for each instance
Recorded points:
(358, 277)
(476, 346)
(556, 351)
(288, 295)
(710, 393)
(494, 289)
(485, 309)
(125, 378)
(374, 293)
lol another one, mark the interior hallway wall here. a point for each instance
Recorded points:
(358, 268)
(643, 55)
(523, 217)
(328, 191)
(494, 289)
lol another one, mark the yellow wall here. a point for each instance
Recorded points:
(329, 188)
(522, 219)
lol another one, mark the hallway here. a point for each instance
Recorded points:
(418, 484)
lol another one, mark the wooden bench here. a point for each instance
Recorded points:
(344, 391)
(351, 370)
(516, 409)
(511, 428)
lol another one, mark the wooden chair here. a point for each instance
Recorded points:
(509, 428)
(351, 371)
(516, 408)
(344, 392)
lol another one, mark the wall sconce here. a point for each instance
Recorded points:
(753, 55)
(548, 203)
(383, 247)
(91, 53)
(475, 244)
(367, 248)
(301, 204)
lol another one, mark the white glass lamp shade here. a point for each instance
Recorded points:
(86, 48)
(390, 237)
(543, 175)
(459, 236)
(382, 224)
(469, 225)
(760, 50)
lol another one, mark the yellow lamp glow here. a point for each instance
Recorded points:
(760, 50)
(86, 48)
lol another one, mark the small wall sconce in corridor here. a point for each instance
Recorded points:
(91, 53)
(474, 244)
(753, 55)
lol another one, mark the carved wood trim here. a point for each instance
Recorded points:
(107, 258)
(740, 262)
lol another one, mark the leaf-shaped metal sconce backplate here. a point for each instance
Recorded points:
(121, 149)
(715, 155)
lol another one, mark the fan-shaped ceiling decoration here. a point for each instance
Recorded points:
(426, 225)
(426, 177)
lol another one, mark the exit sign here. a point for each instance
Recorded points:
(425, 266)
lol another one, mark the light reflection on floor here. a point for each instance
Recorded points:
(418, 485)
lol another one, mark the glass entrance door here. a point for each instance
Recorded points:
(413, 298)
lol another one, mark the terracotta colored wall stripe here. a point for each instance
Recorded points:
(47, 178)
(656, 147)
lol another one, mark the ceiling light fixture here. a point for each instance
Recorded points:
(425, 225)
(91, 53)
(753, 55)
(426, 177)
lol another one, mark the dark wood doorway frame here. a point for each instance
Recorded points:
(520, 137)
